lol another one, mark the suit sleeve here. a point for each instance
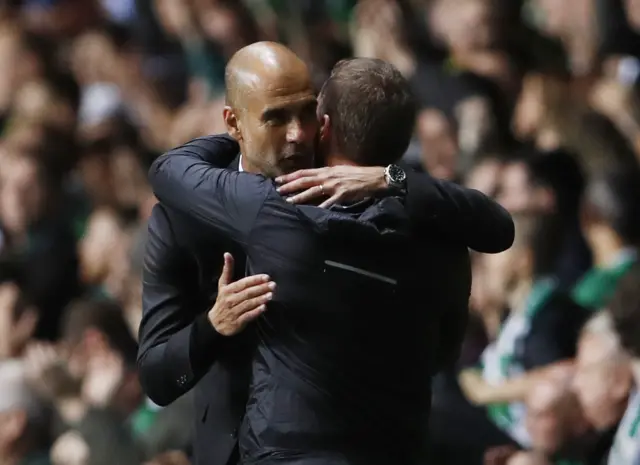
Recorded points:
(226, 201)
(177, 345)
(465, 215)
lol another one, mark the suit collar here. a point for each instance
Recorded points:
(235, 164)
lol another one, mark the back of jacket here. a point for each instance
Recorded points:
(356, 329)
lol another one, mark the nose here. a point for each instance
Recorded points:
(295, 132)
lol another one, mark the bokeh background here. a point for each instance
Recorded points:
(534, 102)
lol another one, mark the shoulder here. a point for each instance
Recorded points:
(211, 143)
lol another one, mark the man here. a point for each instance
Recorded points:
(625, 314)
(24, 420)
(318, 394)
(181, 337)
(602, 381)
(610, 213)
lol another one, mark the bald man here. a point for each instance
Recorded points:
(193, 314)
(270, 112)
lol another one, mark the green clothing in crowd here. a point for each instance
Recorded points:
(597, 286)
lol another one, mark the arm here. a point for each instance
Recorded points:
(479, 392)
(180, 338)
(466, 215)
(229, 202)
(177, 345)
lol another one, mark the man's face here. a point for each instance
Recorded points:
(438, 142)
(278, 128)
(633, 12)
(22, 194)
(601, 381)
(546, 409)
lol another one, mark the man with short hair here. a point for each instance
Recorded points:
(610, 216)
(331, 383)
(603, 379)
(625, 314)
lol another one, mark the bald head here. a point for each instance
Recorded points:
(261, 66)
(271, 109)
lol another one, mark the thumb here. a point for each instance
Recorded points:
(227, 271)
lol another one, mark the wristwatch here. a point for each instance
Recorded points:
(396, 178)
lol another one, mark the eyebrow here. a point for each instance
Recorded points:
(274, 111)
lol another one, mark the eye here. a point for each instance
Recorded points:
(275, 117)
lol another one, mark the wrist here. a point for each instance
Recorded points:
(395, 179)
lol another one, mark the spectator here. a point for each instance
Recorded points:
(625, 313)
(611, 223)
(602, 381)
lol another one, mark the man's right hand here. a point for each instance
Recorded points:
(240, 302)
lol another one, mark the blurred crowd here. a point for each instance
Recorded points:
(534, 102)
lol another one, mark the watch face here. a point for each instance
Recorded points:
(397, 174)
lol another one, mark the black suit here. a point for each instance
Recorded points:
(449, 209)
(178, 347)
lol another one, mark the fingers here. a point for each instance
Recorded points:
(308, 195)
(287, 178)
(227, 271)
(251, 292)
(301, 184)
(251, 304)
(246, 283)
(251, 315)
(334, 199)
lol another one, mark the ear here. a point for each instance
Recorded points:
(325, 129)
(232, 122)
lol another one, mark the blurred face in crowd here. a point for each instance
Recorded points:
(274, 118)
(518, 195)
(103, 252)
(438, 143)
(465, 24)
(602, 380)
(553, 416)
(633, 12)
(22, 194)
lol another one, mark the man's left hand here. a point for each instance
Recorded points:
(336, 184)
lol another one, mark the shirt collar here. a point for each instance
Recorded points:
(240, 168)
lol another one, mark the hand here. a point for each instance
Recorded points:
(611, 98)
(338, 183)
(14, 334)
(47, 371)
(103, 378)
(240, 302)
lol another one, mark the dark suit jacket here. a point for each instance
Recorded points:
(178, 348)
(181, 269)
(235, 221)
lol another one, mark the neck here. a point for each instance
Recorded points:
(605, 245)
(335, 159)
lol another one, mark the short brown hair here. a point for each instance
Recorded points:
(371, 109)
